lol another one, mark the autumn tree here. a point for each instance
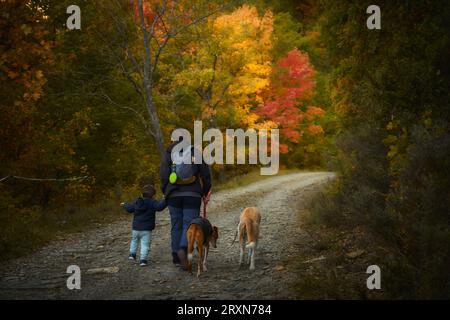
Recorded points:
(230, 66)
(286, 99)
(154, 24)
(26, 53)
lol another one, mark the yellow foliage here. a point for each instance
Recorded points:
(238, 59)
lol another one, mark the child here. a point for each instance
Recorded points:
(144, 209)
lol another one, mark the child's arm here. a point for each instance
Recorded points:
(159, 205)
(128, 207)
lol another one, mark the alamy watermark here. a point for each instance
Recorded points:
(74, 280)
(234, 143)
(374, 280)
(74, 20)
(374, 20)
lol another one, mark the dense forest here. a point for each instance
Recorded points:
(391, 93)
(86, 114)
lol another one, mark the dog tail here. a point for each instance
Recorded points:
(190, 235)
(250, 233)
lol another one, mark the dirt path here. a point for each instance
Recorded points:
(43, 274)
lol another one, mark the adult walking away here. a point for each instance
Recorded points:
(184, 186)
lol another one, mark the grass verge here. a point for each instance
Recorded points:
(333, 259)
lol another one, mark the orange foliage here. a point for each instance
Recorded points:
(292, 85)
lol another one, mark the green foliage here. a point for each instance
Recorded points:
(286, 35)
(390, 89)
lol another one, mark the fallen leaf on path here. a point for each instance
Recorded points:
(280, 268)
(315, 259)
(103, 270)
(355, 254)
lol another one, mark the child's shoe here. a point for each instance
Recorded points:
(143, 263)
(132, 257)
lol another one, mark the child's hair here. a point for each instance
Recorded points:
(148, 191)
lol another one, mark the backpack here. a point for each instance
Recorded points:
(184, 172)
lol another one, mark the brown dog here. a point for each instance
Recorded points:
(201, 233)
(249, 228)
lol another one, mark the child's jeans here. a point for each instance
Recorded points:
(145, 238)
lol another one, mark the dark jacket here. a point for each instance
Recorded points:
(199, 187)
(205, 226)
(144, 210)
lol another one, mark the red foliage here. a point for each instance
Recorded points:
(291, 86)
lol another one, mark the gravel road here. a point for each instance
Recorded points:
(42, 275)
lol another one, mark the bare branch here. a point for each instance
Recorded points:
(225, 89)
(196, 21)
(140, 116)
(161, 14)
(147, 58)
(173, 34)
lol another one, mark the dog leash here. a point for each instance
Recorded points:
(205, 202)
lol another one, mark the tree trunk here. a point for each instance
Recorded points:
(148, 85)
(158, 135)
